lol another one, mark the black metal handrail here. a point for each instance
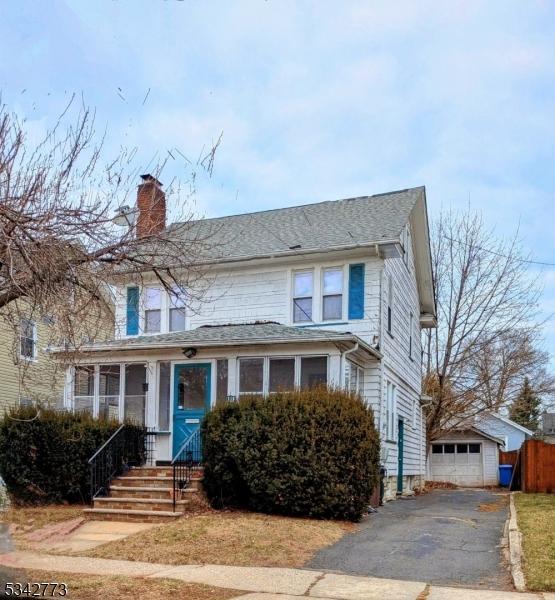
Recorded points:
(127, 446)
(187, 459)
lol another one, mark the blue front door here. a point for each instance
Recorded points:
(191, 400)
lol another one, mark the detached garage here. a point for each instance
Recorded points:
(467, 458)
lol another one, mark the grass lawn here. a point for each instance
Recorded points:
(536, 520)
(228, 538)
(91, 587)
(31, 519)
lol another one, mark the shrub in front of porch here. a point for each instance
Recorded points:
(303, 453)
(44, 454)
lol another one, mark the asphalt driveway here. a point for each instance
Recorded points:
(449, 537)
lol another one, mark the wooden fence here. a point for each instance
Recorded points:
(534, 467)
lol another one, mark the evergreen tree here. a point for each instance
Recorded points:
(526, 408)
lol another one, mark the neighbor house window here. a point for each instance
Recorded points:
(251, 376)
(314, 371)
(221, 380)
(27, 339)
(153, 309)
(282, 374)
(390, 304)
(164, 394)
(303, 284)
(332, 296)
(177, 310)
(391, 409)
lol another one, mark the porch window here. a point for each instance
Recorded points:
(164, 378)
(251, 376)
(83, 389)
(135, 393)
(221, 380)
(153, 311)
(108, 394)
(177, 310)
(282, 374)
(302, 296)
(354, 378)
(314, 371)
(27, 339)
(332, 298)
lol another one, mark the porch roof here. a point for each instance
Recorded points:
(227, 335)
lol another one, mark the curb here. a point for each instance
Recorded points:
(515, 548)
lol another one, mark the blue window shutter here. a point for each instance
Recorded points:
(132, 310)
(356, 291)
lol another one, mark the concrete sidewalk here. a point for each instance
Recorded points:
(263, 583)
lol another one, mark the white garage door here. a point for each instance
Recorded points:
(459, 463)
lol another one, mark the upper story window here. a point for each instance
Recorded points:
(390, 304)
(332, 294)
(153, 309)
(303, 288)
(177, 310)
(27, 339)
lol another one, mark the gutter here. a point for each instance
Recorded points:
(214, 344)
(286, 253)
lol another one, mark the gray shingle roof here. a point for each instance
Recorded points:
(312, 227)
(225, 335)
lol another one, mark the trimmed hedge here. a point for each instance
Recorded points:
(312, 452)
(44, 454)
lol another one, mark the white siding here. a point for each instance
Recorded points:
(247, 294)
(400, 368)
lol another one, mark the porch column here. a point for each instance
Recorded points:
(152, 394)
(232, 386)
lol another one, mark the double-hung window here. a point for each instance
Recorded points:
(332, 294)
(27, 339)
(153, 309)
(177, 310)
(391, 409)
(303, 285)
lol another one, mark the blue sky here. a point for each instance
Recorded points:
(316, 100)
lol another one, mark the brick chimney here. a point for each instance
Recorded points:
(151, 205)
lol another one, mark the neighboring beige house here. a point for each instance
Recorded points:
(27, 373)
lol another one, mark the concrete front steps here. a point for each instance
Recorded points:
(145, 494)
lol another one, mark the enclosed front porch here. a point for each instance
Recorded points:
(170, 389)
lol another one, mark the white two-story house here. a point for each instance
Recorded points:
(335, 292)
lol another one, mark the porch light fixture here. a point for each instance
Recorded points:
(189, 352)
